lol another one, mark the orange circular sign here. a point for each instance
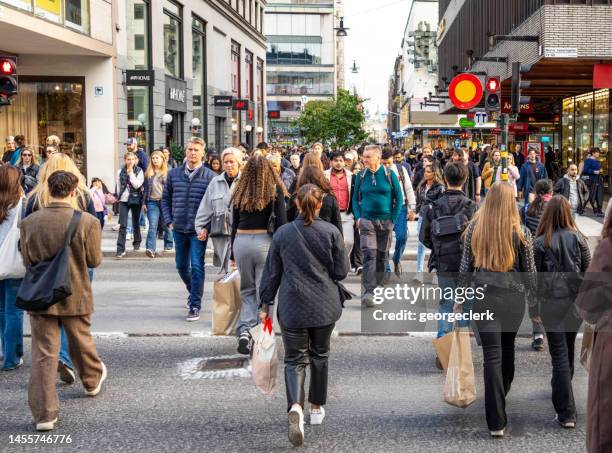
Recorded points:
(465, 91)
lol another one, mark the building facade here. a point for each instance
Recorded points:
(191, 68)
(563, 43)
(64, 52)
(301, 60)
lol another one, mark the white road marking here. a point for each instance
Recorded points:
(192, 369)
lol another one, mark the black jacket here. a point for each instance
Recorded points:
(424, 199)
(330, 212)
(562, 187)
(30, 177)
(448, 262)
(303, 274)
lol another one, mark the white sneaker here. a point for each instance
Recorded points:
(498, 433)
(95, 391)
(368, 300)
(295, 420)
(116, 227)
(317, 416)
(566, 425)
(46, 426)
(129, 237)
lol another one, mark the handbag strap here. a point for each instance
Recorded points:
(74, 223)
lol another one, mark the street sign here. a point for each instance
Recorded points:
(222, 101)
(560, 52)
(141, 78)
(465, 91)
(240, 104)
(481, 118)
(466, 123)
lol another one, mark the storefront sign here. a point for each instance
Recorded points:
(139, 78)
(464, 122)
(176, 97)
(49, 9)
(441, 131)
(274, 114)
(560, 52)
(222, 101)
(518, 127)
(506, 107)
(240, 104)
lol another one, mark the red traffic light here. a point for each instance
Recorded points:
(493, 84)
(7, 67)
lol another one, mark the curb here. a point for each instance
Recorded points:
(410, 256)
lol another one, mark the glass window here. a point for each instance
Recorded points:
(48, 108)
(298, 24)
(77, 14)
(172, 46)
(260, 97)
(567, 132)
(138, 114)
(300, 83)
(21, 4)
(313, 25)
(284, 24)
(235, 70)
(584, 124)
(49, 9)
(602, 126)
(137, 30)
(198, 64)
(172, 8)
(248, 77)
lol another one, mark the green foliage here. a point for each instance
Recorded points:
(338, 122)
(177, 152)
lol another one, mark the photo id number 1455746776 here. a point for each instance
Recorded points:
(40, 439)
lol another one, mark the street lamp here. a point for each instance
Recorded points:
(248, 128)
(166, 119)
(341, 30)
(355, 68)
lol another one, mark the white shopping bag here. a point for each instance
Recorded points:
(264, 364)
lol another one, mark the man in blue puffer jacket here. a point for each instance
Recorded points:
(184, 190)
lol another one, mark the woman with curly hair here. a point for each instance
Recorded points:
(258, 211)
(330, 212)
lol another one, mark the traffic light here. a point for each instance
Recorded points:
(492, 99)
(8, 79)
(517, 85)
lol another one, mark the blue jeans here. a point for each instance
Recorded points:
(420, 258)
(11, 323)
(446, 282)
(400, 228)
(190, 265)
(153, 216)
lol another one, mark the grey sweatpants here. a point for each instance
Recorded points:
(250, 253)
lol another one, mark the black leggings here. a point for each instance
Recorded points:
(305, 347)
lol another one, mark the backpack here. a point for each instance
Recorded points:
(387, 175)
(447, 226)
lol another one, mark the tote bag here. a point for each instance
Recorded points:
(11, 262)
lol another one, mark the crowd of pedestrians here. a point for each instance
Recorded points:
(295, 222)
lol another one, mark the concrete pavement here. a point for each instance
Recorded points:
(385, 395)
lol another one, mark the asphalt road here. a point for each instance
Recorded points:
(385, 395)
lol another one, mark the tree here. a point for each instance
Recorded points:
(338, 122)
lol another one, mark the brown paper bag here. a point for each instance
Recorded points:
(587, 346)
(442, 346)
(226, 304)
(264, 364)
(460, 387)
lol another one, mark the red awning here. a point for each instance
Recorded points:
(602, 76)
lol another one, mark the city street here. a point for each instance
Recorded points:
(385, 394)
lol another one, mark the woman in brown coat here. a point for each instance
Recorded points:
(595, 307)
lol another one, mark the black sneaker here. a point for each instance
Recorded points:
(136, 248)
(150, 253)
(538, 344)
(66, 373)
(359, 270)
(244, 343)
(194, 314)
(398, 269)
(119, 255)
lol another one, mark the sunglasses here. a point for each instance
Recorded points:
(26, 155)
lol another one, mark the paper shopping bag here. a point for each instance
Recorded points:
(226, 304)
(459, 387)
(264, 364)
(442, 346)
(587, 346)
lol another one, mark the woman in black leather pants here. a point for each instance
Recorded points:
(306, 259)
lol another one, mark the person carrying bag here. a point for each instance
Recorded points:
(459, 385)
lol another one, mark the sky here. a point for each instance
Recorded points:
(374, 40)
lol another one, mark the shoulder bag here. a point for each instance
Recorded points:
(48, 282)
(11, 262)
(344, 293)
(220, 225)
(272, 219)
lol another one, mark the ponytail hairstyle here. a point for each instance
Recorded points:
(309, 197)
(541, 188)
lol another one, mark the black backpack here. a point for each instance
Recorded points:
(48, 282)
(447, 226)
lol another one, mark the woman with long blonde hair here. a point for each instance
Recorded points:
(154, 183)
(498, 258)
(39, 198)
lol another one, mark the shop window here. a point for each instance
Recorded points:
(46, 108)
(198, 69)
(173, 45)
(602, 126)
(77, 14)
(567, 132)
(139, 42)
(139, 11)
(584, 125)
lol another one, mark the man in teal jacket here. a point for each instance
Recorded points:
(377, 201)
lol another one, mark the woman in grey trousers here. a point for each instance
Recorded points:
(258, 211)
(216, 202)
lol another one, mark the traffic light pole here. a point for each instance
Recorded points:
(503, 146)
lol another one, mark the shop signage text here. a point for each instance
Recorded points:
(222, 101)
(560, 52)
(139, 78)
(176, 94)
(464, 122)
(507, 107)
(518, 127)
(441, 131)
